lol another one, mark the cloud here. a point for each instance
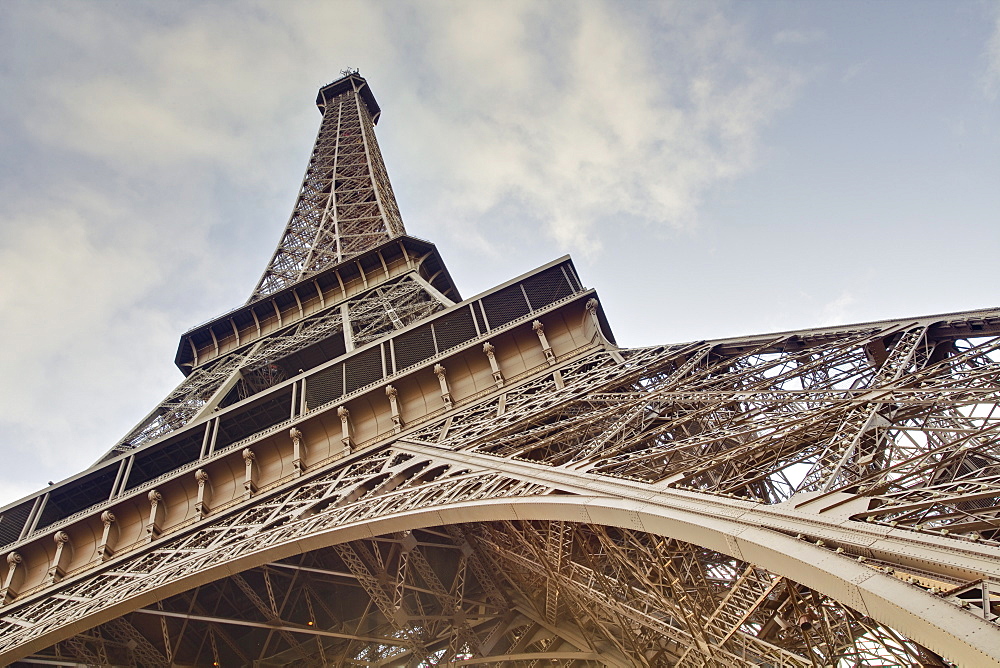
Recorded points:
(798, 37)
(615, 126)
(73, 291)
(852, 72)
(838, 311)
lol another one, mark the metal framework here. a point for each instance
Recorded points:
(361, 469)
(345, 205)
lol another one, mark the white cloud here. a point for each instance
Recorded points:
(838, 311)
(615, 127)
(852, 72)
(73, 291)
(798, 37)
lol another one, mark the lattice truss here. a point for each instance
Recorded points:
(519, 593)
(345, 206)
(896, 422)
(373, 314)
(895, 418)
(390, 307)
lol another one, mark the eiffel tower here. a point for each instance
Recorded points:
(361, 468)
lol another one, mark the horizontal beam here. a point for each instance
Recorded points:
(307, 630)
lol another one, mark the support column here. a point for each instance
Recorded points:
(491, 354)
(61, 559)
(345, 316)
(345, 427)
(15, 578)
(539, 329)
(441, 372)
(298, 451)
(201, 506)
(154, 526)
(109, 538)
(397, 421)
(214, 437)
(250, 481)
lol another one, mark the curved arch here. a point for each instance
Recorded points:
(931, 621)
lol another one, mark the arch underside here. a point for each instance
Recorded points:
(502, 592)
(569, 517)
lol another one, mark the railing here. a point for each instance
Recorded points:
(287, 424)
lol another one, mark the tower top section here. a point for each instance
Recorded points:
(351, 82)
(345, 206)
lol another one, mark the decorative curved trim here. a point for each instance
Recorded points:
(933, 622)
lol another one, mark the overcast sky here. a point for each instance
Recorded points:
(714, 169)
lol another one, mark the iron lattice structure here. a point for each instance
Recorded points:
(345, 205)
(362, 469)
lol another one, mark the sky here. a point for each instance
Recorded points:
(714, 168)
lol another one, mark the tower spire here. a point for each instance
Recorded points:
(345, 206)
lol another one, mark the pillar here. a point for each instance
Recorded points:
(15, 578)
(345, 429)
(440, 372)
(539, 329)
(154, 526)
(298, 451)
(61, 559)
(250, 480)
(397, 421)
(201, 506)
(494, 365)
(109, 537)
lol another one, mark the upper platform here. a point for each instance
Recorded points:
(294, 303)
(353, 81)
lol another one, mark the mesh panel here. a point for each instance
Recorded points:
(175, 453)
(547, 287)
(325, 386)
(12, 521)
(253, 418)
(79, 495)
(363, 369)
(413, 347)
(235, 395)
(504, 306)
(454, 329)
